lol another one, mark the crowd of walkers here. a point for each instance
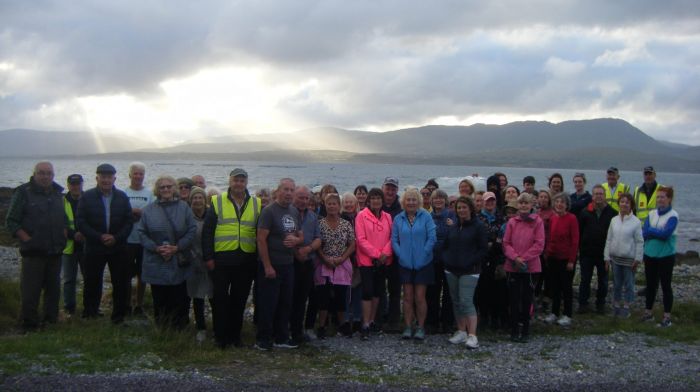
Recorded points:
(351, 263)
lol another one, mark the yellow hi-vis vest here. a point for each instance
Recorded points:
(612, 199)
(231, 233)
(642, 205)
(70, 245)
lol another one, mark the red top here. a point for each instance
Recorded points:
(563, 237)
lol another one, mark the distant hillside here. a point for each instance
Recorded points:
(34, 143)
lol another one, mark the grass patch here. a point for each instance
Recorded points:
(9, 304)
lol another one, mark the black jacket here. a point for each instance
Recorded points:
(90, 220)
(594, 230)
(235, 257)
(465, 247)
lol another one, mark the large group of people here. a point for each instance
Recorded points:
(351, 263)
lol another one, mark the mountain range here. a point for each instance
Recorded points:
(590, 144)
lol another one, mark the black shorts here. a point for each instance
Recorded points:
(134, 254)
(373, 282)
(424, 276)
(331, 296)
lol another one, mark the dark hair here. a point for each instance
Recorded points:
(495, 182)
(517, 190)
(629, 198)
(360, 188)
(433, 183)
(668, 190)
(529, 180)
(556, 175)
(375, 192)
(469, 202)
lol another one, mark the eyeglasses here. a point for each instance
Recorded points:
(185, 187)
(165, 187)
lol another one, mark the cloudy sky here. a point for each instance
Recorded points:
(176, 70)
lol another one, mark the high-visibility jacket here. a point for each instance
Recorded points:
(642, 205)
(232, 233)
(613, 198)
(70, 244)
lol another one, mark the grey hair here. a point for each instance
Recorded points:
(136, 165)
(562, 196)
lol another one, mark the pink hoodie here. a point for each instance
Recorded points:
(525, 239)
(373, 237)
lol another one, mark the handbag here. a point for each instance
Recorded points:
(184, 258)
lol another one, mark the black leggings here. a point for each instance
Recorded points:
(561, 282)
(373, 279)
(198, 305)
(521, 286)
(659, 269)
(331, 296)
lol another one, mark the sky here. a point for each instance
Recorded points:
(182, 70)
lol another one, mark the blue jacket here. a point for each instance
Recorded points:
(414, 244)
(91, 220)
(466, 247)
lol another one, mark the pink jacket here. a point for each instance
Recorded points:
(525, 239)
(340, 275)
(373, 237)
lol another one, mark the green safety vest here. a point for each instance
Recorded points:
(642, 205)
(612, 199)
(70, 246)
(232, 233)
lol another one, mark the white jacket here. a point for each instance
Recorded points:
(625, 238)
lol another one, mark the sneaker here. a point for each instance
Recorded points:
(289, 344)
(364, 333)
(262, 346)
(375, 328)
(420, 334)
(647, 317)
(460, 337)
(201, 336)
(665, 323)
(310, 335)
(564, 321)
(551, 318)
(472, 342)
(625, 313)
(345, 329)
(407, 333)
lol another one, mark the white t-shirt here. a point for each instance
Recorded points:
(138, 199)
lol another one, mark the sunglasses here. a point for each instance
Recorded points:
(185, 187)
(165, 187)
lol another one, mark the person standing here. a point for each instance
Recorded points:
(659, 232)
(594, 221)
(614, 188)
(529, 185)
(440, 313)
(229, 250)
(645, 195)
(556, 184)
(36, 217)
(580, 198)
(72, 258)
(392, 206)
(492, 292)
(199, 285)
(199, 181)
(279, 232)
(184, 186)
(105, 218)
(139, 197)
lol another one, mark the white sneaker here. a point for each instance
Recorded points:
(564, 321)
(310, 334)
(472, 342)
(459, 337)
(550, 318)
(201, 336)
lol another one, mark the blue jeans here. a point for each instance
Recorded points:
(584, 289)
(623, 278)
(462, 292)
(274, 304)
(69, 277)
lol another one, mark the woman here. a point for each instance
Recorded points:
(199, 285)
(440, 315)
(333, 273)
(412, 239)
(492, 292)
(561, 252)
(167, 230)
(374, 253)
(325, 190)
(511, 193)
(465, 251)
(466, 188)
(479, 200)
(523, 244)
(660, 253)
(545, 212)
(361, 195)
(354, 303)
(624, 248)
(184, 186)
(264, 195)
(425, 194)
(581, 197)
(493, 184)
(432, 185)
(556, 184)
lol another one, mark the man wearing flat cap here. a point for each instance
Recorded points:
(229, 248)
(614, 188)
(105, 219)
(645, 195)
(73, 253)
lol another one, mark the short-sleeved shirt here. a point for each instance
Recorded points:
(138, 199)
(280, 221)
(334, 242)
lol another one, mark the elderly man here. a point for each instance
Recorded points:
(645, 195)
(139, 197)
(37, 219)
(199, 181)
(279, 233)
(73, 253)
(105, 218)
(229, 248)
(392, 206)
(614, 188)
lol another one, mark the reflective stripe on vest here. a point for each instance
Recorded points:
(230, 232)
(642, 205)
(612, 199)
(70, 245)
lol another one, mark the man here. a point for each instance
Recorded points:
(105, 219)
(279, 232)
(645, 195)
(229, 248)
(304, 263)
(139, 197)
(73, 252)
(37, 219)
(529, 185)
(614, 188)
(199, 181)
(594, 221)
(392, 206)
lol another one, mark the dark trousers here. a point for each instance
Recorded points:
(659, 270)
(439, 300)
(561, 282)
(170, 305)
(198, 306)
(491, 297)
(37, 274)
(393, 285)
(584, 289)
(231, 291)
(92, 285)
(303, 285)
(521, 286)
(331, 297)
(275, 303)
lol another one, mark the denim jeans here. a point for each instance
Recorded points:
(462, 291)
(584, 289)
(623, 280)
(69, 277)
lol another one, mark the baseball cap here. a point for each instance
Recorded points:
(489, 195)
(106, 168)
(613, 169)
(238, 172)
(649, 169)
(391, 181)
(74, 179)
